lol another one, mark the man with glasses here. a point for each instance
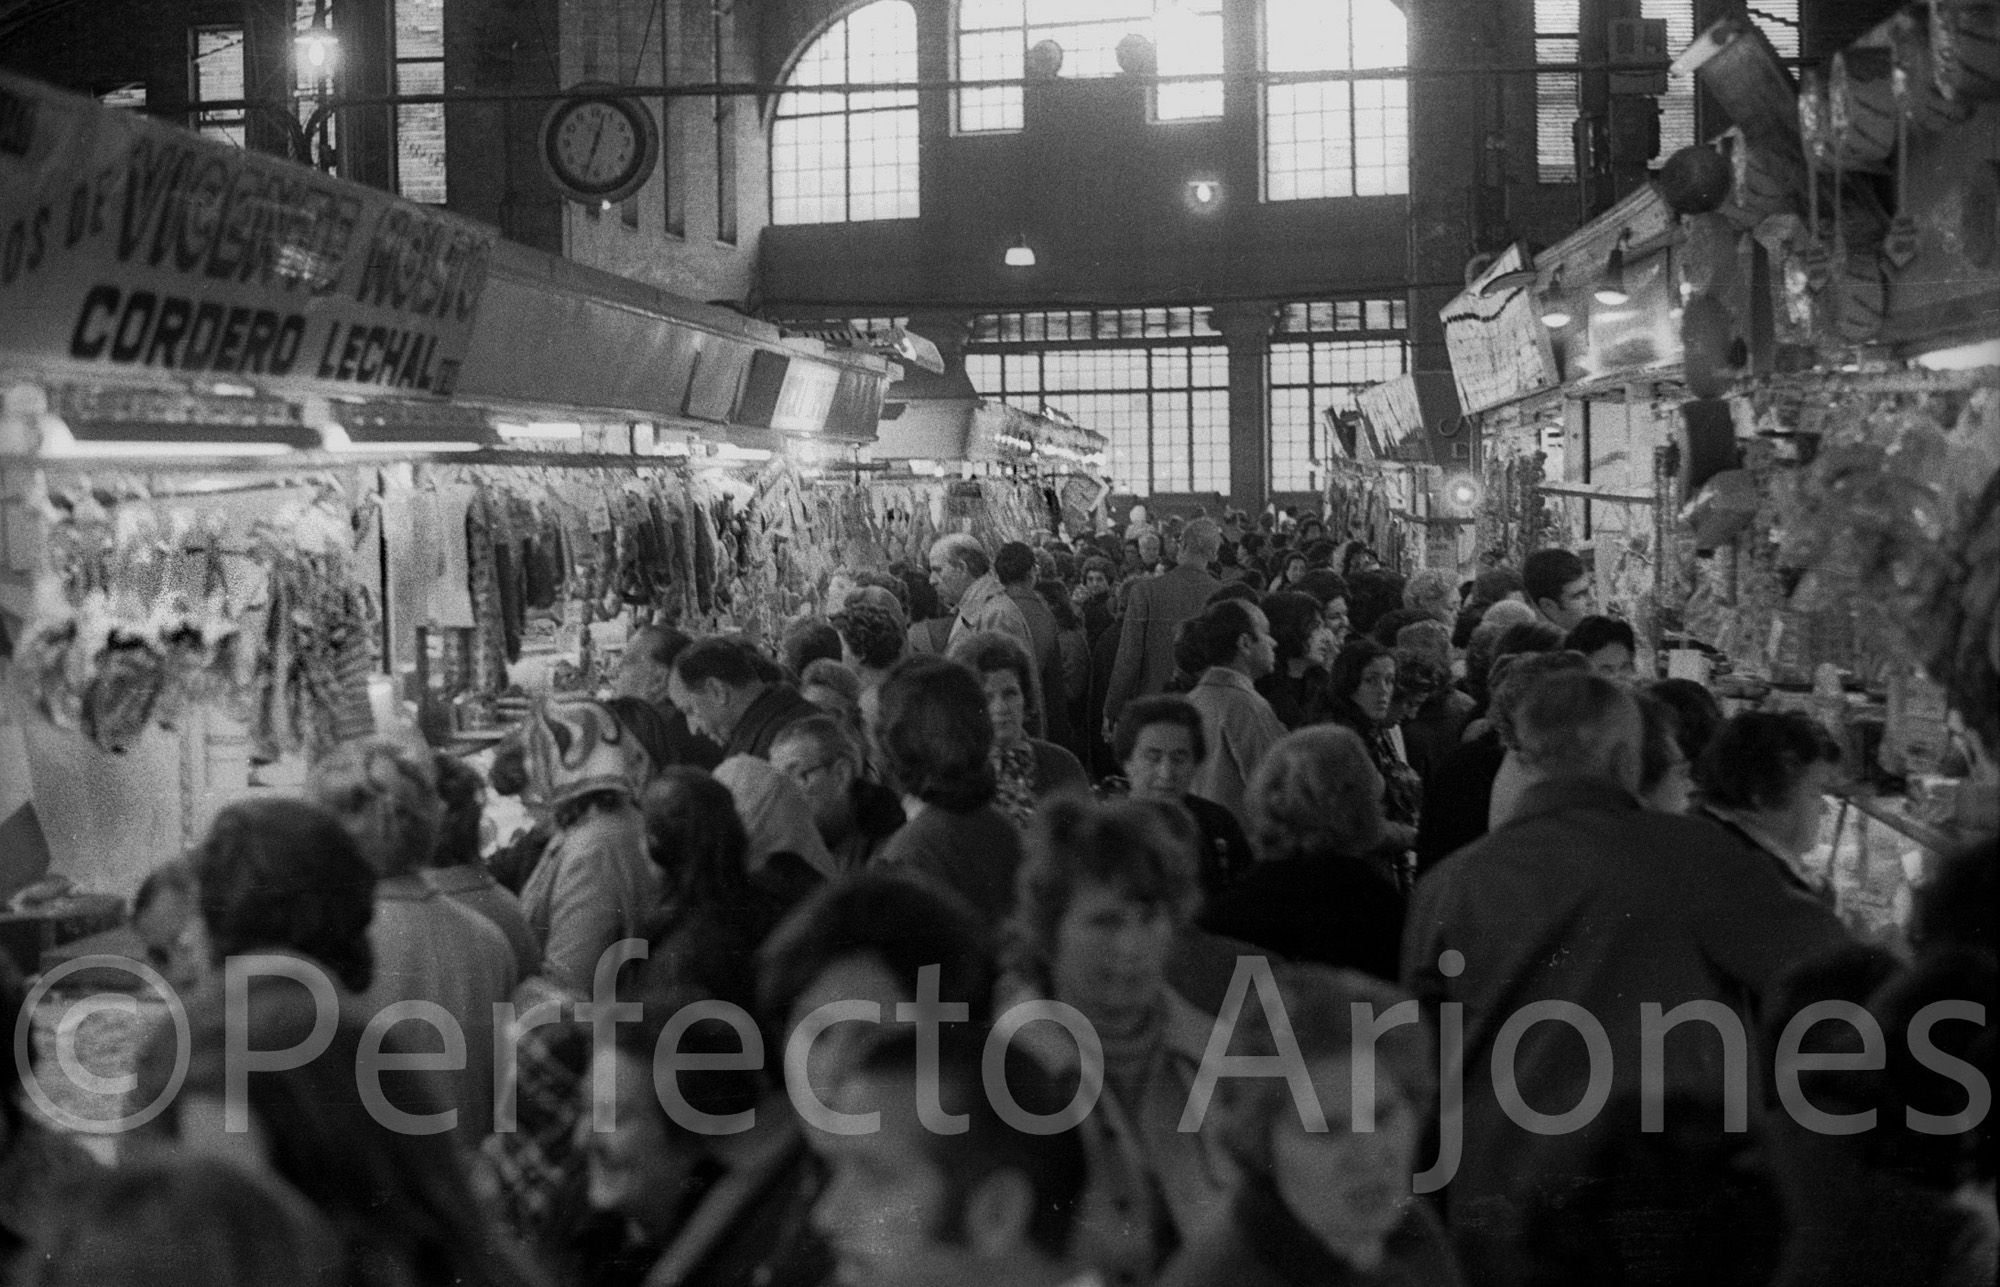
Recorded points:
(1558, 588)
(855, 817)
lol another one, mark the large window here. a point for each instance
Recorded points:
(1335, 138)
(217, 73)
(994, 36)
(420, 126)
(1557, 93)
(1155, 381)
(1322, 354)
(839, 157)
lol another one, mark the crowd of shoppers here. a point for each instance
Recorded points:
(1385, 931)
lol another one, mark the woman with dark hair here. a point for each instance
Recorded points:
(1105, 893)
(932, 737)
(1698, 714)
(1291, 570)
(1765, 777)
(696, 837)
(1231, 644)
(1026, 768)
(1333, 1205)
(1372, 595)
(872, 639)
(1159, 741)
(1318, 891)
(456, 870)
(282, 875)
(1296, 686)
(373, 1163)
(1364, 701)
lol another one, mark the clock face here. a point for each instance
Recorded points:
(599, 149)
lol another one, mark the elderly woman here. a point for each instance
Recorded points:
(1160, 744)
(932, 737)
(1231, 641)
(1333, 1205)
(1106, 890)
(1318, 891)
(1297, 685)
(594, 883)
(1434, 592)
(428, 947)
(1765, 777)
(1364, 701)
(1027, 768)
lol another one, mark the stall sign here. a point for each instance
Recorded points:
(128, 246)
(1499, 348)
(1393, 409)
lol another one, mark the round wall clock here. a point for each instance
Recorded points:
(599, 147)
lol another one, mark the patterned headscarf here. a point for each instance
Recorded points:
(576, 746)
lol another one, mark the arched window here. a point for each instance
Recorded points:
(1335, 138)
(840, 157)
(993, 38)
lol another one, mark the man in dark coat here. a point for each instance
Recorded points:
(1554, 931)
(1154, 614)
(718, 685)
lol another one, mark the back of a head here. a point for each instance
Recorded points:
(168, 1217)
(1597, 631)
(283, 874)
(827, 737)
(875, 634)
(963, 550)
(1053, 1163)
(1293, 618)
(1014, 564)
(1323, 584)
(1432, 591)
(1757, 758)
(807, 640)
(1242, 591)
(902, 920)
(1212, 637)
(777, 816)
(1697, 715)
(1371, 595)
(1431, 638)
(1201, 542)
(834, 676)
(1391, 623)
(1505, 613)
(1574, 724)
(463, 794)
(1528, 636)
(727, 660)
(1316, 793)
(695, 837)
(934, 733)
(1515, 675)
(1546, 572)
(385, 794)
(1493, 585)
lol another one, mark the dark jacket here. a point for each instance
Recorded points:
(1298, 700)
(1154, 613)
(976, 852)
(878, 815)
(1257, 1242)
(1225, 852)
(1457, 796)
(1328, 909)
(1586, 898)
(1434, 731)
(777, 708)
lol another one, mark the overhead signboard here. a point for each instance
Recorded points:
(129, 246)
(1499, 348)
(1392, 408)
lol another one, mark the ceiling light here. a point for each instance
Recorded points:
(1021, 254)
(538, 430)
(319, 48)
(1554, 303)
(1611, 291)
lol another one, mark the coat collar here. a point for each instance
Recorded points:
(1225, 677)
(1564, 794)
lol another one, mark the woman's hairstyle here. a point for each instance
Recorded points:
(399, 1199)
(873, 632)
(1098, 563)
(1697, 714)
(171, 877)
(834, 675)
(1141, 713)
(1419, 677)
(1595, 632)
(934, 735)
(1371, 595)
(1391, 623)
(1354, 657)
(464, 797)
(385, 794)
(284, 874)
(166, 1217)
(1323, 584)
(1758, 758)
(884, 581)
(1320, 1004)
(1293, 619)
(1291, 557)
(1354, 554)
(1056, 595)
(1526, 636)
(1431, 638)
(1241, 591)
(1514, 680)
(901, 920)
(989, 651)
(1212, 637)
(1432, 591)
(696, 839)
(1315, 793)
(806, 641)
(1146, 852)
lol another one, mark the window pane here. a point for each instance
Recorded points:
(218, 75)
(838, 157)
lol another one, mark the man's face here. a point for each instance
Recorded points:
(1613, 661)
(951, 579)
(824, 776)
(1149, 548)
(705, 705)
(1096, 583)
(1262, 649)
(1578, 601)
(883, 1207)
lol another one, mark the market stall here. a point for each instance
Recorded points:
(1765, 407)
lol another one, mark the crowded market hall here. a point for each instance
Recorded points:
(999, 643)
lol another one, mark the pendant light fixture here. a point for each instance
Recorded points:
(1555, 303)
(1611, 290)
(1021, 254)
